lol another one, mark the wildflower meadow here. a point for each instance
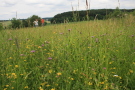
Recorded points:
(86, 55)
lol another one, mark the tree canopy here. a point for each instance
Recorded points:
(99, 14)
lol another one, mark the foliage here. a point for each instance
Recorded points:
(24, 23)
(99, 14)
(15, 23)
(117, 13)
(31, 19)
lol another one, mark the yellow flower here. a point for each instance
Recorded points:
(7, 85)
(72, 78)
(131, 71)
(5, 88)
(120, 77)
(39, 47)
(40, 88)
(50, 71)
(27, 46)
(89, 83)
(47, 85)
(59, 74)
(110, 62)
(10, 58)
(114, 68)
(92, 59)
(26, 87)
(43, 83)
(16, 66)
(66, 61)
(53, 89)
(101, 82)
(12, 87)
(13, 74)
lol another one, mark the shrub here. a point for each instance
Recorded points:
(15, 23)
(31, 19)
(24, 23)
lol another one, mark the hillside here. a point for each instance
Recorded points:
(83, 15)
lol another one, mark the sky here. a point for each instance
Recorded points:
(49, 8)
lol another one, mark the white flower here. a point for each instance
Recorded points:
(115, 75)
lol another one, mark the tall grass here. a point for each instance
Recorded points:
(89, 55)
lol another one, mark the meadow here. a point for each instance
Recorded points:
(6, 23)
(87, 55)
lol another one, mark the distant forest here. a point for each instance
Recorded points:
(84, 15)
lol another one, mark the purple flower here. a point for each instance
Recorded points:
(10, 39)
(32, 51)
(69, 30)
(93, 69)
(49, 58)
(92, 36)
(97, 40)
(42, 45)
(21, 54)
(61, 33)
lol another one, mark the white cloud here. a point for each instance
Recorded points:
(49, 8)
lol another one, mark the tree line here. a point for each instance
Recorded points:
(93, 14)
(21, 23)
(17, 23)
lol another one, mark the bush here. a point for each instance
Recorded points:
(24, 23)
(15, 23)
(32, 19)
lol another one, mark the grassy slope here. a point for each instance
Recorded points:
(73, 56)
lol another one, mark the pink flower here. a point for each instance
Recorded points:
(33, 51)
(61, 33)
(21, 54)
(10, 39)
(69, 30)
(42, 44)
(49, 58)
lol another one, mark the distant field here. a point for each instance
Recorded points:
(6, 23)
(87, 55)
